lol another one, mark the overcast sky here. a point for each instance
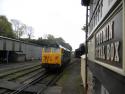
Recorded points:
(61, 18)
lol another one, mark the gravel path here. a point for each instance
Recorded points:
(71, 80)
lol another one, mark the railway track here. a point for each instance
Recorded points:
(29, 80)
(9, 67)
(18, 74)
(36, 84)
(50, 83)
(28, 84)
(10, 75)
(25, 83)
(17, 70)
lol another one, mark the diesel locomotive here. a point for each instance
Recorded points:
(53, 58)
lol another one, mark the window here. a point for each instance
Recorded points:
(55, 50)
(47, 49)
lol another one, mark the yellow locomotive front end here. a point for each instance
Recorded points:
(51, 58)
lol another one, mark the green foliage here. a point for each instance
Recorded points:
(40, 38)
(60, 39)
(50, 41)
(6, 28)
(19, 28)
(62, 42)
(50, 37)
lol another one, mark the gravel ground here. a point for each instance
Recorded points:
(71, 80)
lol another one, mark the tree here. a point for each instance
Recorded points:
(82, 48)
(29, 31)
(60, 39)
(19, 28)
(40, 38)
(6, 28)
(22, 30)
(50, 37)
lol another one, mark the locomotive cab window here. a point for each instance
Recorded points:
(47, 49)
(55, 50)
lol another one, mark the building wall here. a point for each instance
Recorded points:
(1, 43)
(113, 82)
(31, 51)
(107, 70)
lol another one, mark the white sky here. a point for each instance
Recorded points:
(61, 18)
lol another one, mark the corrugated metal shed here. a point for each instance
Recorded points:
(9, 45)
(1, 44)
